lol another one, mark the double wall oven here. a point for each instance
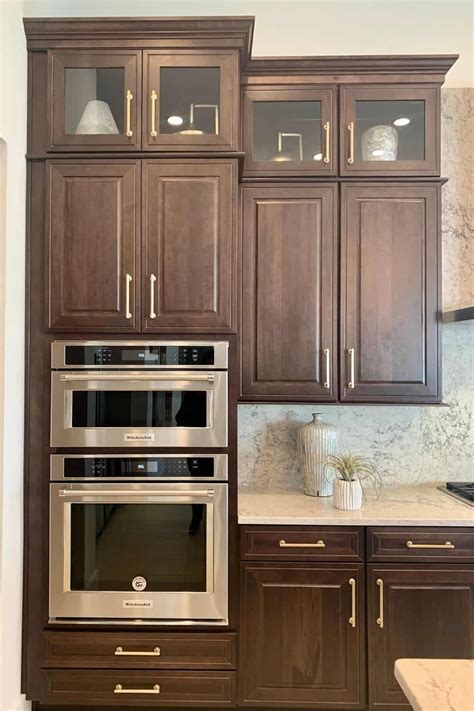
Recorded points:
(139, 537)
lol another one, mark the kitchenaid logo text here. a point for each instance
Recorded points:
(133, 437)
(137, 603)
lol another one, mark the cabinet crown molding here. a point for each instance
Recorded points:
(438, 64)
(233, 32)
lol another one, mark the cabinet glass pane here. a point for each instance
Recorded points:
(112, 544)
(94, 100)
(287, 131)
(390, 130)
(190, 100)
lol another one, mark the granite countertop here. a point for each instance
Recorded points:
(437, 684)
(396, 506)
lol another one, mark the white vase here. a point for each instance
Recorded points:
(316, 440)
(347, 494)
(380, 143)
(97, 119)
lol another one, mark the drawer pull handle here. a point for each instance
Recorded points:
(352, 618)
(380, 617)
(318, 544)
(120, 652)
(448, 544)
(120, 690)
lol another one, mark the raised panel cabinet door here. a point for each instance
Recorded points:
(390, 293)
(95, 100)
(416, 611)
(289, 293)
(190, 245)
(93, 248)
(191, 100)
(302, 635)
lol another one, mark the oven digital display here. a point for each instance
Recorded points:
(134, 467)
(110, 355)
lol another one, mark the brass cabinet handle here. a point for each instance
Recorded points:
(129, 131)
(120, 652)
(352, 618)
(327, 155)
(448, 544)
(153, 99)
(152, 295)
(327, 353)
(350, 128)
(380, 617)
(120, 690)
(128, 281)
(318, 544)
(351, 383)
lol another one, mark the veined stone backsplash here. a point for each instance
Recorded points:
(409, 444)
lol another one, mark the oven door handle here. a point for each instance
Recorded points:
(135, 492)
(165, 377)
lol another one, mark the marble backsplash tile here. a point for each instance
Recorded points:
(410, 444)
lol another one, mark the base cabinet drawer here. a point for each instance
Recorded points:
(116, 650)
(422, 545)
(139, 688)
(332, 543)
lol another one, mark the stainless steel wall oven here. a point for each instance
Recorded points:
(137, 394)
(139, 538)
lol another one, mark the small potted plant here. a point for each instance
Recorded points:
(351, 471)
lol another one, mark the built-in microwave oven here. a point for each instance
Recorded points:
(139, 394)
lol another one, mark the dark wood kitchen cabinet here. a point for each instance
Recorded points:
(95, 99)
(189, 233)
(93, 245)
(390, 130)
(302, 635)
(390, 293)
(289, 292)
(191, 100)
(421, 610)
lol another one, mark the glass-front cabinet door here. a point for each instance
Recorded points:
(190, 101)
(96, 99)
(389, 131)
(289, 132)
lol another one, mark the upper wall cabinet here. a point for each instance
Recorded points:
(389, 130)
(191, 100)
(290, 131)
(95, 100)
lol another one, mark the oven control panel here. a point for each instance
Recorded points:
(138, 354)
(201, 467)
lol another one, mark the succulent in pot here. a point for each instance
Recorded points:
(351, 472)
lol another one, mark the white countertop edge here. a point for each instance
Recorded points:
(411, 505)
(352, 521)
(437, 684)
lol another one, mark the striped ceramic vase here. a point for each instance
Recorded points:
(316, 440)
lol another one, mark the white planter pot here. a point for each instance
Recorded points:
(347, 495)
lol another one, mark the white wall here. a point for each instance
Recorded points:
(283, 27)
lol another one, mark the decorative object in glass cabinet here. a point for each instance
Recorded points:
(289, 131)
(387, 131)
(96, 102)
(190, 100)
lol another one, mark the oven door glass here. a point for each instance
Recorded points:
(182, 409)
(138, 551)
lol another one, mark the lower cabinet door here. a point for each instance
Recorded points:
(140, 688)
(302, 635)
(416, 611)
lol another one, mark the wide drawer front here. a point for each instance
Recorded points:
(140, 688)
(302, 543)
(140, 650)
(420, 544)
